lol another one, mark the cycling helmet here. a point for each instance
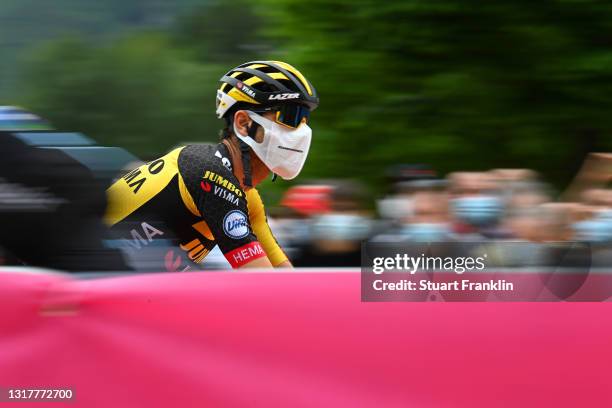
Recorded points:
(261, 86)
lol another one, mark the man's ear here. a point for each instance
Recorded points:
(242, 121)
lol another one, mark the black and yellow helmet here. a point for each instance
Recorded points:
(261, 84)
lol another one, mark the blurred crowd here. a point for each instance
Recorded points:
(323, 224)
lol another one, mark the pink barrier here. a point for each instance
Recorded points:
(293, 340)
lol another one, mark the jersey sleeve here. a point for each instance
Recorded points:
(261, 228)
(221, 203)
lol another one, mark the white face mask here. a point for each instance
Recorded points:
(283, 151)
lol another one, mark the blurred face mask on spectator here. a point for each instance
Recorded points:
(426, 231)
(395, 208)
(340, 227)
(479, 210)
(295, 230)
(597, 229)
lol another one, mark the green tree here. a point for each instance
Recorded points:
(221, 32)
(135, 93)
(459, 84)
(147, 91)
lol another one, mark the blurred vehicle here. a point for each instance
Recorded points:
(104, 162)
(52, 196)
(14, 118)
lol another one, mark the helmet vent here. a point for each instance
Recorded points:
(289, 85)
(267, 69)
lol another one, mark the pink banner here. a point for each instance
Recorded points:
(292, 340)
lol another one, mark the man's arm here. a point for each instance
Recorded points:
(596, 172)
(220, 201)
(263, 263)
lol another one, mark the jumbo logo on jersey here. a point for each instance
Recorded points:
(223, 182)
(235, 224)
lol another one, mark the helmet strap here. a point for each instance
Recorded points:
(245, 151)
(246, 163)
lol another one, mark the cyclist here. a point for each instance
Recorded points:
(204, 195)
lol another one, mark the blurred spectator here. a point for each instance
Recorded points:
(308, 200)
(595, 173)
(396, 206)
(291, 229)
(428, 219)
(514, 175)
(335, 236)
(594, 217)
(400, 173)
(597, 198)
(292, 220)
(477, 205)
(556, 221)
(525, 214)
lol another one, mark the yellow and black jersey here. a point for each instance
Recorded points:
(191, 198)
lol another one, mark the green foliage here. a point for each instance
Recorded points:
(135, 93)
(26, 23)
(147, 92)
(458, 84)
(223, 32)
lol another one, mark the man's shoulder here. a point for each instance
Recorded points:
(202, 158)
(210, 164)
(196, 154)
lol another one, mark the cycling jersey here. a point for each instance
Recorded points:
(191, 197)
